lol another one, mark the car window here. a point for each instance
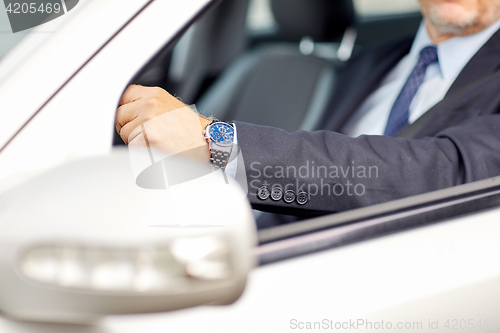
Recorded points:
(260, 17)
(8, 39)
(380, 18)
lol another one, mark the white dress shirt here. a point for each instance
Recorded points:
(453, 54)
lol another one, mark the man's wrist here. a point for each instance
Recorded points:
(204, 123)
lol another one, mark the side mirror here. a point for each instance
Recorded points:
(83, 241)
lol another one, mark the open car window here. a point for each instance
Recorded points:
(351, 225)
(207, 63)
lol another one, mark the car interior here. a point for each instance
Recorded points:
(271, 62)
(279, 76)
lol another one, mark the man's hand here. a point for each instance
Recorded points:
(153, 117)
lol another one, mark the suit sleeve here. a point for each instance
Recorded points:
(340, 173)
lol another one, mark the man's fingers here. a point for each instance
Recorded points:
(130, 128)
(126, 113)
(141, 110)
(134, 93)
(140, 104)
(131, 116)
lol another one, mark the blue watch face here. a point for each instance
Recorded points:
(221, 133)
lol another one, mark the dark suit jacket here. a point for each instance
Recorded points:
(456, 142)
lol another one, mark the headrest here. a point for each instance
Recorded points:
(323, 20)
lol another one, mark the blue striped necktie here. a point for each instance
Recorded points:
(400, 112)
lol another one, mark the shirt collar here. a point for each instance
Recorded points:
(453, 53)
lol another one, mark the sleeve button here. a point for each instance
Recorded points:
(276, 192)
(289, 196)
(263, 193)
(302, 198)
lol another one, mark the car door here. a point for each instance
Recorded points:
(425, 263)
(422, 263)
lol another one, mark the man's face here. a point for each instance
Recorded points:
(460, 17)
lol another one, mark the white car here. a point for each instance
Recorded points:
(84, 249)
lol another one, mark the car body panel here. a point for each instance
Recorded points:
(440, 272)
(411, 276)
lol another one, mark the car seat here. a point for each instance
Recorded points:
(287, 84)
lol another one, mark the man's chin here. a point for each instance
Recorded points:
(451, 18)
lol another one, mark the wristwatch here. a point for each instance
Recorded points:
(220, 137)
